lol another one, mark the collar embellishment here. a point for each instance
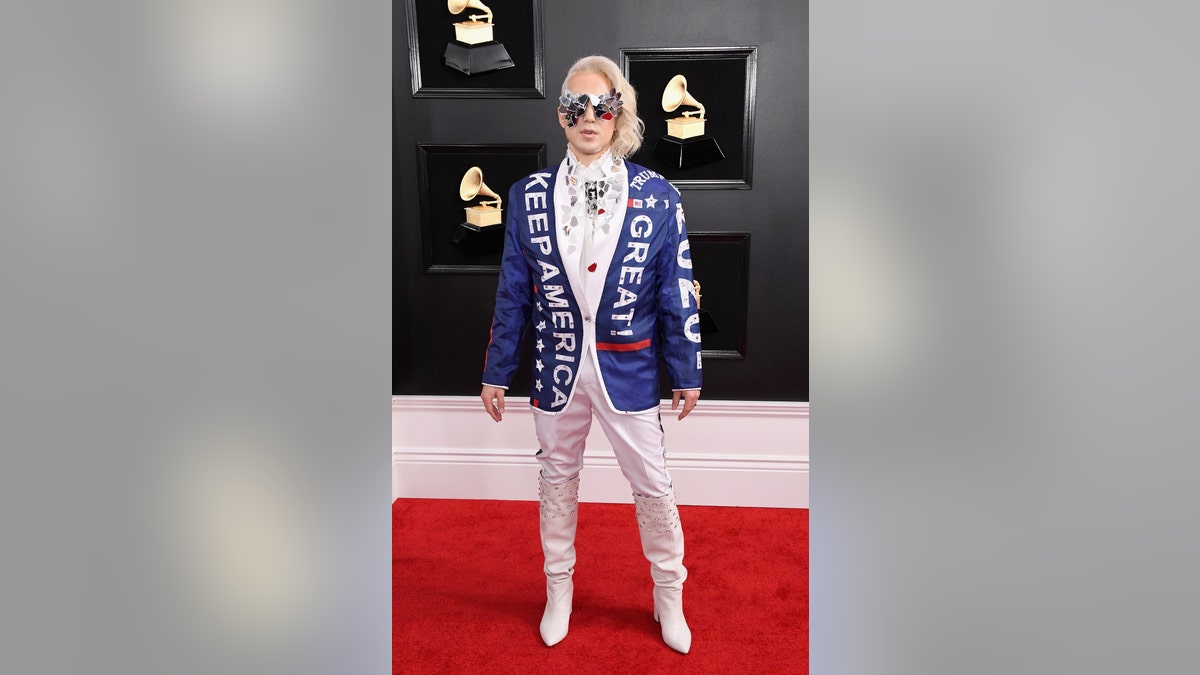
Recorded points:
(592, 194)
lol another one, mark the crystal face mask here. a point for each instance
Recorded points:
(573, 106)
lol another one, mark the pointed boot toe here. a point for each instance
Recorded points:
(668, 612)
(557, 617)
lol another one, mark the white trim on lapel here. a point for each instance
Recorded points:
(570, 259)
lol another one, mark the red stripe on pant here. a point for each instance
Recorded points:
(620, 347)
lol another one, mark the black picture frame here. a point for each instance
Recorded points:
(721, 263)
(518, 27)
(721, 78)
(440, 169)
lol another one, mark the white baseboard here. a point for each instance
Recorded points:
(726, 453)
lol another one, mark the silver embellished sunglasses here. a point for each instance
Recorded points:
(573, 106)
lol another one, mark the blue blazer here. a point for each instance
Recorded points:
(647, 308)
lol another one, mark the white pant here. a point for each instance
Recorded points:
(637, 440)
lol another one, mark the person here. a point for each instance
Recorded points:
(596, 262)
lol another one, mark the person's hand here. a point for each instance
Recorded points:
(493, 401)
(689, 401)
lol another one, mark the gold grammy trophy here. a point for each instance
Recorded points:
(685, 126)
(474, 49)
(484, 213)
(480, 229)
(685, 144)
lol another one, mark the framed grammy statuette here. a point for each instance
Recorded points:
(721, 269)
(462, 191)
(698, 106)
(475, 48)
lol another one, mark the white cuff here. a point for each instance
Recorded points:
(495, 385)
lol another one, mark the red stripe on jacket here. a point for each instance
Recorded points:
(622, 347)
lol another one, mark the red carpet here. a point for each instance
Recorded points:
(468, 591)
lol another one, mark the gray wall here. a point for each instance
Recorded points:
(440, 321)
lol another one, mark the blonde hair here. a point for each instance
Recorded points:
(627, 137)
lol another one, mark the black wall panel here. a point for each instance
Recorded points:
(440, 321)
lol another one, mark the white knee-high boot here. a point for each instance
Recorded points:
(559, 516)
(662, 543)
